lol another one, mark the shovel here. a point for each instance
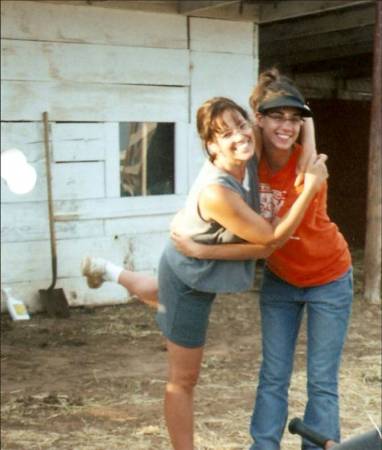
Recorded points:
(53, 300)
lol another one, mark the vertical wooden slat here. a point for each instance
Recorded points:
(372, 265)
(144, 158)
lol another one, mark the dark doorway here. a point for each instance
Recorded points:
(342, 132)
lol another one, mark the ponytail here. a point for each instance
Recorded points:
(259, 92)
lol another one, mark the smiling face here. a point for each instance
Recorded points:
(280, 127)
(233, 142)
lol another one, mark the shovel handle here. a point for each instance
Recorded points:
(50, 200)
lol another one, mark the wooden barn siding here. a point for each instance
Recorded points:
(224, 62)
(80, 24)
(138, 69)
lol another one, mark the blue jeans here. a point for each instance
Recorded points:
(328, 311)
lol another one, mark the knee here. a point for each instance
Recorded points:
(325, 386)
(277, 377)
(185, 381)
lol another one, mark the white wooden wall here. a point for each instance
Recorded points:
(98, 67)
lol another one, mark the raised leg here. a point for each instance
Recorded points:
(99, 270)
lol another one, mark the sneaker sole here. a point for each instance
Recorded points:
(92, 280)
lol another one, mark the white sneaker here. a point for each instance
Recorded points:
(94, 269)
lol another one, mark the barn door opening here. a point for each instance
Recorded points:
(342, 132)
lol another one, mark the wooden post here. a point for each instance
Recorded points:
(372, 262)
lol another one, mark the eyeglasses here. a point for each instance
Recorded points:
(281, 119)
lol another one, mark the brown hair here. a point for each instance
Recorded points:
(272, 85)
(209, 118)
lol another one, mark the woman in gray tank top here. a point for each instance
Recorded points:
(222, 207)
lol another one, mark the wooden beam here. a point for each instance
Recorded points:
(163, 6)
(280, 10)
(192, 7)
(343, 68)
(332, 40)
(338, 20)
(225, 10)
(309, 56)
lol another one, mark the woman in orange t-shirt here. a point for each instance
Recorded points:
(311, 270)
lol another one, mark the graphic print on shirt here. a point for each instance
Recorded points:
(271, 200)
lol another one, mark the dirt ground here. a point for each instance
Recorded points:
(95, 381)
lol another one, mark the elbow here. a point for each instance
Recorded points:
(269, 249)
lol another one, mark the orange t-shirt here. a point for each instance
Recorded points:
(317, 253)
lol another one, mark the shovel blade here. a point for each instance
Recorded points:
(55, 302)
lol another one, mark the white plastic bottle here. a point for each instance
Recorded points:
(16, 308)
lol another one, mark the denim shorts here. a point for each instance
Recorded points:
(183, 312)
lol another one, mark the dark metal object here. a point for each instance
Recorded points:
(297, 426)
(370, 440)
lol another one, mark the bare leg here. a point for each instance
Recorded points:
(145, 287)
(184, 368)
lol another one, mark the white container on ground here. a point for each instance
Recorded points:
(16, 307)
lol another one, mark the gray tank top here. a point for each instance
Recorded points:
(214, 275)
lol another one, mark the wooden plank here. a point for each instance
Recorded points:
(90, 142)
(47, 22)
(112, 164)
(274, 11)
(146, 250)
(38, 193)
(228, 10)
(43, 61)
(79, 294)
(221, 74)
(339, 20)
(78, 142)
(321, 81)
(79, 150)
(322, 55)
(73, 181)
(31, 261)
(329, 40)
(139, 252)
(24, 222)
(181, 157)
(221, 36)
(21, 222)
(28, 293)
(162, 6)
(79, 229)
(25, 261)
(360, 85)
(62, 132)
(25, 136)
(76, 291)
(138, 225)
(197, 6)
(82, 102)
(110, 208)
